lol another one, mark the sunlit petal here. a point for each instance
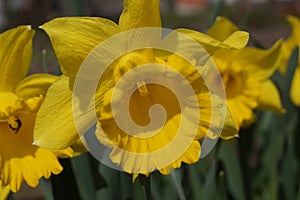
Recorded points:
(34, 85)
(139, 14)
(73, 38)
(15, 56)
(222, 28)
(236, 40)
(58, 131)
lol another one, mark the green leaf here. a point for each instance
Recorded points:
(138, 191)
(195, 181)
(162, 187)
(112, 179)
(46, 188)
(289, 169)
(126, 185)
(177, 183)
(209, 189)
(298, 190)
(84, 176)
(233, 173)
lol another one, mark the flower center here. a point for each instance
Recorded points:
(14, 123)
(234, 83)
(9, 105)
(143, 90)
(132, 60)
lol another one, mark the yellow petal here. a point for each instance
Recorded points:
(73, 38)
(269, 98)
(237, 39)
(261, 63)
(208, 127)
(23, 161)
(140, 13)
(294, 93)
(191, 156)
(15, 56)
(134, 176)
(9, 104)
(229, 130)
(54, 127)
(290, 43)
(65, 153)
(295, 23)
(4, 192)
(79, 147)
(242, 111)
(222, 28)
(35, 85)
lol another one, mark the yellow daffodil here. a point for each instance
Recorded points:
(246, 74)
(288, 46)
(20, 99)
(73, 39)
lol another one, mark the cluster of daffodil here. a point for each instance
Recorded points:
(36, 120)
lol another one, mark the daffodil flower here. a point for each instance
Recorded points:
(73, 38)
(288, 46)
(246, 74)
(20, 98)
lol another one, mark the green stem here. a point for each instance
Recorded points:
(245, 145)
(44, 61)
(145, 182)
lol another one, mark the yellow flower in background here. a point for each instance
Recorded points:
(20, 99)
(73, 38)
(246, 74)
(288, 46)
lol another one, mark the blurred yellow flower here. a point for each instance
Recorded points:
(246, 74)
(73, 38)
(288, 46)
(20, 99)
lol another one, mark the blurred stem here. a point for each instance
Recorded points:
(178, 185)
(245, 147)
(44, 61)
(145, 182)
